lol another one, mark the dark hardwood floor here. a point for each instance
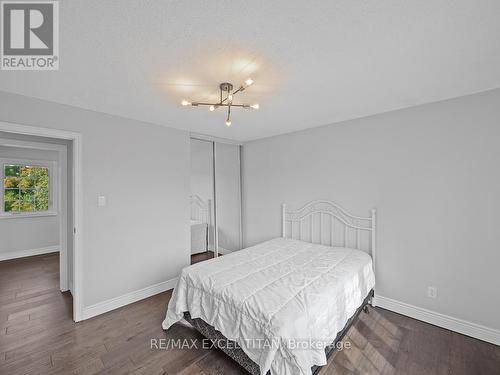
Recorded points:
(37, 336)
(195, 258)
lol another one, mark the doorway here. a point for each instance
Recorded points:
(41, 202)
(34, 200)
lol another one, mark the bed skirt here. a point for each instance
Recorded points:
(237, 354)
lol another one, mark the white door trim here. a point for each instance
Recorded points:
(76, 138)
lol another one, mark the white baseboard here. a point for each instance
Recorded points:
(453, 324)
(224, 251)
(126, 299)
(28, 253)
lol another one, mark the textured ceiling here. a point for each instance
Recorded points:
(314, 62)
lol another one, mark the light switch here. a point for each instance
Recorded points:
(101, 201)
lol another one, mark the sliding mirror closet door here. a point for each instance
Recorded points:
(228, 197)
(202, 197)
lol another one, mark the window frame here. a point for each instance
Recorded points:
(53, 188)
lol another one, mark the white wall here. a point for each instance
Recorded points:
(43, 231)
(433, 174)
(141, 237)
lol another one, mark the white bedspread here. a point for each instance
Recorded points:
(283, 291)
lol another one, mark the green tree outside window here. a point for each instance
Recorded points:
(26, 188)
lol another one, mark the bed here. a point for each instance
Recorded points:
(286, 302)
(200, 224)
(199, 237)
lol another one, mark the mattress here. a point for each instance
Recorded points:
(198, 236)
(282, 301)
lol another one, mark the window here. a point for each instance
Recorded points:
(26, 189)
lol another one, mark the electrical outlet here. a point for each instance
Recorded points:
(432, 292)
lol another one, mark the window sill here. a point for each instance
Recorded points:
(26, 215)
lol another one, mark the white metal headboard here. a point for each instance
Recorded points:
(327, 223)
(200, 210)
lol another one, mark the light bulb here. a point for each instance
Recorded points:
(249, 81)
(228, 122)
(185, 102)
(211, 108)
(255, 106)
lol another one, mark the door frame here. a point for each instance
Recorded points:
(76, 139)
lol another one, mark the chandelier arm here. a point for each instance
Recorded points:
(241, 105)
(196, 104)
(240, 89)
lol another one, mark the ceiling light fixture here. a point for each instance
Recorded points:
(226, 99)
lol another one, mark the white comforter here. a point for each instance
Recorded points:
(287, 292)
